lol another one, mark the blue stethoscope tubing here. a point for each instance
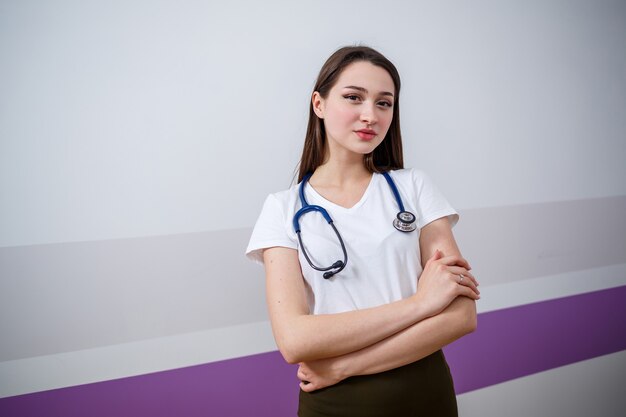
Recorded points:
(404, 222)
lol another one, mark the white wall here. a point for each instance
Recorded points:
(169, 122)
(122, 119)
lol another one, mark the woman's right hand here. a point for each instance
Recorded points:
(441, 282)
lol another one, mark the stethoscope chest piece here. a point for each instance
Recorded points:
(405, 221)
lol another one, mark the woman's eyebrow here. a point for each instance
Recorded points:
(354, 87)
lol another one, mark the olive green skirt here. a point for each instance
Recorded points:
(422, 388)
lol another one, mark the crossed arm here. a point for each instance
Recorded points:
(332, 347)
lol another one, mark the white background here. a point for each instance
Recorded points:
(124, 119)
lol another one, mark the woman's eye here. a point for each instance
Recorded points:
(385, 104)
(352, 97)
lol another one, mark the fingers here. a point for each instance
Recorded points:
(455, 260)
(457, 270)
(306, 386)
(463, 278)
(456, 263)
(468, 292)
(466, 282)
(302, 374)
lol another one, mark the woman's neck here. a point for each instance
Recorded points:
(338, 173)
(341, 168)
(344, 184)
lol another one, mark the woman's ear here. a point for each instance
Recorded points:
(318, 104)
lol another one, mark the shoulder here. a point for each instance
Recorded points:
(273, 226)
(281, 203)
(286, 194)
(426, 198)
(409, 176)
(285, 198)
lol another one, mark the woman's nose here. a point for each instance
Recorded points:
(368, 114)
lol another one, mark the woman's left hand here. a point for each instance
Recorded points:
(320, 374)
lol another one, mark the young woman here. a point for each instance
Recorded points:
(365, 283)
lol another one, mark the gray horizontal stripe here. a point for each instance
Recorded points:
(594, 387)
(65, 297)
(70, 296)
(182, 350)
(506, 244)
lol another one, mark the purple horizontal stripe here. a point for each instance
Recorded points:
(508, 344)
(256, 386)
(524, 340)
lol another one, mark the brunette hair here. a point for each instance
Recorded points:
(387, 155)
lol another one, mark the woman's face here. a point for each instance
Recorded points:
(358, 110)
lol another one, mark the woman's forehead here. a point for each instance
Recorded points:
(367, 75)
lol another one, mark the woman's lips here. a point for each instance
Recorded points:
(366, 134)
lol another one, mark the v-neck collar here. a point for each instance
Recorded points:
(309, 189)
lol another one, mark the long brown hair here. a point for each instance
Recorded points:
(387, 155)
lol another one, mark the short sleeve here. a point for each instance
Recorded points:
(431, 204)
(270, 230)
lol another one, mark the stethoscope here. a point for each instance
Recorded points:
(404, 222)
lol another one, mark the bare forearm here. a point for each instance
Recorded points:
(302, 337)
(448, 323)
(415, 342)
(312, 337)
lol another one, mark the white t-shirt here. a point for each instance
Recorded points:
(383, 263)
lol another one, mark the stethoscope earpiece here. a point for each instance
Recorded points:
(338, 264)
